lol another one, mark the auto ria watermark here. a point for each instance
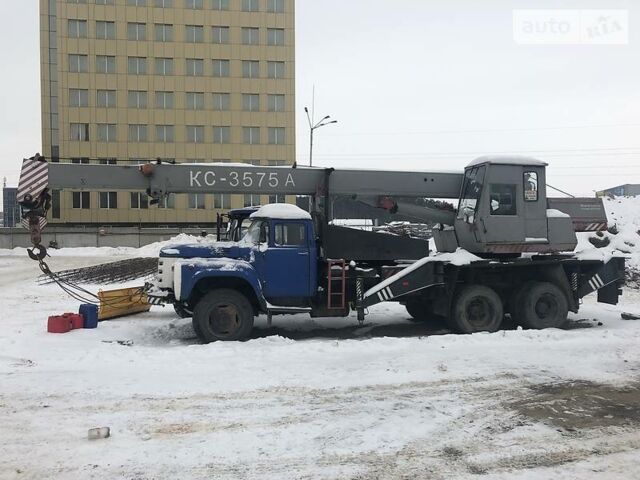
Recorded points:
(571, 27)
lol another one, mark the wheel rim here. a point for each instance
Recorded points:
(479, 312)
(224, 319)
(546, 307)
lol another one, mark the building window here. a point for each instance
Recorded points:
(105, 30)
(196, 201)
(108, 161)
(193, 4)
(252, 200)
(137, 99)
(80, 161)
(163, 32)
(106, 132)
(79, 132)
(251, 102)
(164, 3)
(194, 100)
(250, 36)
(277, 163)
(221, 134)
(137, 133)
(137, 3)
(220, 34)
(77, 28)
(137, 65)
(55, 203)
(275, 69)
(139, 200)
(250, 68)
(168, 201)
(222, 200)
(251, 135)
(275, 6)
(220, 4)
(164, 66)
(77, 2)
(164, 100)
(106, 98)
(275, 36)
(195, 67)
(250, 5)
(164, 133)
(77, 63)
(276, 136)
(195, 133)
(221, 101)
(104, 2)
(221, 68)
(105, 64)
(81, 200)
(108, 200)
(136, 31)
(277, 199)
(78, 97)
(193, 33)
(276, 103)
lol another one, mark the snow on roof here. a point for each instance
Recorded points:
(553, 213)
(508, 160)
(283, 211)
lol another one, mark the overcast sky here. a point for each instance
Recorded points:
(418, 85)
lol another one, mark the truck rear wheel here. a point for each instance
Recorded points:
(476, 308)
(541, 305)
(224, 315)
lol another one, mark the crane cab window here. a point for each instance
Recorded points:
(290, 235)
(502, 199)
(530, 186)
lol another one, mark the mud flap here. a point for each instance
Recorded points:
(606, 280)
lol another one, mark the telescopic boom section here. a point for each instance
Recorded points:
(39, 177)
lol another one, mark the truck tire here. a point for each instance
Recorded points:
(224, 315)
(541, 305)
(476, 308)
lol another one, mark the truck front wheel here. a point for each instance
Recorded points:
(476, 308)
(224, 315)
(541, 305)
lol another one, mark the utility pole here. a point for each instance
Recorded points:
(314, 126)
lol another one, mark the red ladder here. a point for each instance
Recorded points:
(337, 285)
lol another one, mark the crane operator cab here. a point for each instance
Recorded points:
(503, 209)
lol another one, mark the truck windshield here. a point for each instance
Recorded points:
(471, 190)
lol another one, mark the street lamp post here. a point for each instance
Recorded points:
(312, 128)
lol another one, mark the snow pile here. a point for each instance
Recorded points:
(623, 236)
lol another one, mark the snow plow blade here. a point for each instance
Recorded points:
(122, 302)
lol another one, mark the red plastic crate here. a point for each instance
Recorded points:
(59, 324)
(77, 320)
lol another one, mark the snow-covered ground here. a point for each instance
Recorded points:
(312, 399)
(315, 398)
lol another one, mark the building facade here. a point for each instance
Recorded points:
(126, 81)
(627, 190)
(11, 209)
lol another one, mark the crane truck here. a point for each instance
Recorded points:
(505, 250)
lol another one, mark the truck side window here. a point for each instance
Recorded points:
(290, 234)
(530, 186)
(503, 199)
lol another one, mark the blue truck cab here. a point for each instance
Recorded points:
(223, 285)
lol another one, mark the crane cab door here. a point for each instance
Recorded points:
(514, 208)
(289, 261)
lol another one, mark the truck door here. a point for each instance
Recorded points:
(501, 219)
(287, 261)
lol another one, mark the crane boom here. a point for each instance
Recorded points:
(159, 179)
